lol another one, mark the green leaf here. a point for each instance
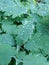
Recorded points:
(6, 53)
(8, 27)
(6, 39)
(11, 8)
(43, 9)
(25, 31)
(21, 55)
(44, 20)
(39, 41)
(36, 59)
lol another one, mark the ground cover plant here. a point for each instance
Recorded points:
(24, 32)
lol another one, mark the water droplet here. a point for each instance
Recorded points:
(36, 55)
(5, 17)
(25, 22)
(33, 41)
(32, 26)
(21, 33)
(39, 39)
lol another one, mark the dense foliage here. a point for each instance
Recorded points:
(24, 32)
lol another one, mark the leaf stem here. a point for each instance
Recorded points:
(18, 48)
